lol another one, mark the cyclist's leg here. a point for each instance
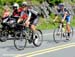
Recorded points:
(68, 25)
(27, 24)
(33, 24)
(19, 20)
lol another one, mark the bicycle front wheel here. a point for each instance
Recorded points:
(20, 40)
(57, 35)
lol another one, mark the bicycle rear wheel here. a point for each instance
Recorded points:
(20, 40)
(37, 38)
(71, 34)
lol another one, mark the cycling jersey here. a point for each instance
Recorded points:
(20, 9)
(6, 14)
(34, 17)
(17, 12)
(30, 14)
(34, 13)
(25, 14)
(61, 13)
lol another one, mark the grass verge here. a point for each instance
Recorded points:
(44, 25)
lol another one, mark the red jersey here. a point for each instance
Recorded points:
(6, 14)
(24, 16)
(20, 9)
(17, 12)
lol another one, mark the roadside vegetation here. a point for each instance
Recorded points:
(43, 24)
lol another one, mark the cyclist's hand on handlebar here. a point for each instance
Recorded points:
(53, 20)
(62, 20)
(26, 21)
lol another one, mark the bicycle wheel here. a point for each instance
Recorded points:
(71, 34)
(57, 35)
(37, 38)
(3, 36)
(20, 40)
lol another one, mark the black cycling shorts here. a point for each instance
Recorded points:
(34, 21)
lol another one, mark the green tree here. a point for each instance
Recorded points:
(2, 2)
(55, 2)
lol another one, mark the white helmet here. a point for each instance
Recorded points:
(16, 5)
(24, 4)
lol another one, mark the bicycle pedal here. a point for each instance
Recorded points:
(30, 41)
(67, 39)
(58, 34)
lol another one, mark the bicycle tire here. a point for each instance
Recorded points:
(71, 34)
(20, 38)
(40, 36)
(3, 36)
(59, 35)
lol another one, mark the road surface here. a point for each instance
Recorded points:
(48, 48)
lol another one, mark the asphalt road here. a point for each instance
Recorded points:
(48, 48)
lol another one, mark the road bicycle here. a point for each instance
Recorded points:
(32, 37)
(11, 30)
(60, 33)
(20, 35)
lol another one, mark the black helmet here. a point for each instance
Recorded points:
(61, 5)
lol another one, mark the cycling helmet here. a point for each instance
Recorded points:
(61, 5)
(24, 4)
(16, 5)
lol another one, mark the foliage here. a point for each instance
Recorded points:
(2, 2)
(42, 23)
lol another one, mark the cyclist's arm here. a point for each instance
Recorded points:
(20, 18)
(29, 16)
(64, 16)
(56, 17)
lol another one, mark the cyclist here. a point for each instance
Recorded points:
(15, 15)
(65, 16)
(25, 15)
(6, 14)
(32, 19)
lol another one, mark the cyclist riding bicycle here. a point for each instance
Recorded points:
(25, 15)
(65, 16)
(32, 18)
(15, 14)
(6, 14)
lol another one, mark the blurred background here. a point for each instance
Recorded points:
(45, 8)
